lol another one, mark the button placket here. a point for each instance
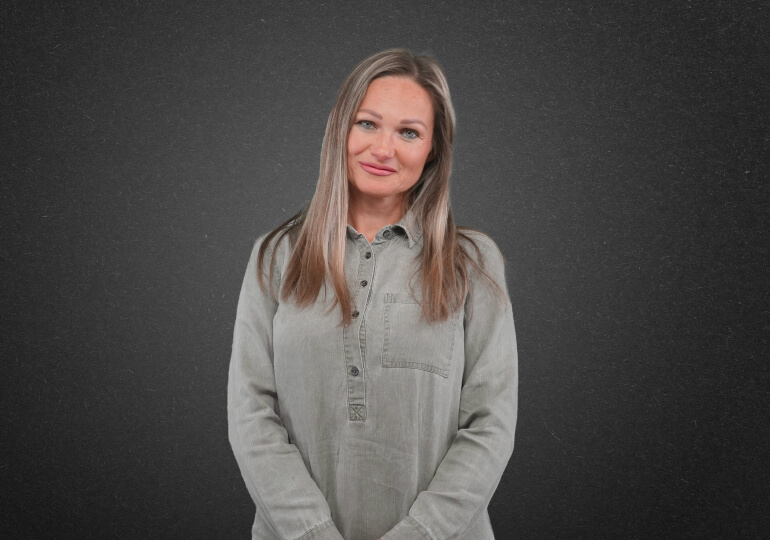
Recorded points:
(355, 334)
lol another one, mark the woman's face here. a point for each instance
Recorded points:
(390, 140)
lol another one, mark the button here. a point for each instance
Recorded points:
(355, 313)
(364, 283)
(354, 371)
(368, 255)
(387, 234)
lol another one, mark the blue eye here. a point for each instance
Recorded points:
(366, 124)
(410, 134)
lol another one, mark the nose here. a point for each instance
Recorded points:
(383, 148)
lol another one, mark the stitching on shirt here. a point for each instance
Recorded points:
(311, 532)
(357, 413)
(392, 299)
(417, 365)
(420, 528)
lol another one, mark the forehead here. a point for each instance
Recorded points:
(398, 96)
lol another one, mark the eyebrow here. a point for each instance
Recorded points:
(407, 121)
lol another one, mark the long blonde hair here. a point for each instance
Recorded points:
(318, 231)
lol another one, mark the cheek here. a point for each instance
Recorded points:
(354, 147)
(354, 144)
(418, 158)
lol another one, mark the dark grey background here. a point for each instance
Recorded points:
(617, 151)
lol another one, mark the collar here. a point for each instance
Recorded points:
(407, 225)
(411, 227)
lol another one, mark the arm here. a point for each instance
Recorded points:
(272, 468)
(470, 472)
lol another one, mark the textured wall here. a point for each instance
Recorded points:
(617, 151)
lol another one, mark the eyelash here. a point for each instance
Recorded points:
(404, 131)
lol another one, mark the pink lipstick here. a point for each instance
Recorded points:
(379, 170)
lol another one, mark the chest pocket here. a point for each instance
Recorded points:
(412, 342)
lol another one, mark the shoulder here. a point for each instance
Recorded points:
(485, 263)
(270, 254)
(274, 241)
(480, 247)
(278, 243)
(275, 245)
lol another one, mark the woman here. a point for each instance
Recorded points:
(373, 379)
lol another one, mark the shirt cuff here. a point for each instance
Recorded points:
(324, 531)
(408, 529)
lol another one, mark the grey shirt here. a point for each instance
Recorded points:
(388, 428)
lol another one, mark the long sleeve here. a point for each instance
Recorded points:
(286, 496)
(471, 470)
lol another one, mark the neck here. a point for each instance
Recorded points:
(368, 215)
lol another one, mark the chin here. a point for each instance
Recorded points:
(374, 189)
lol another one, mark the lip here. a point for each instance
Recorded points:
(379, 170)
